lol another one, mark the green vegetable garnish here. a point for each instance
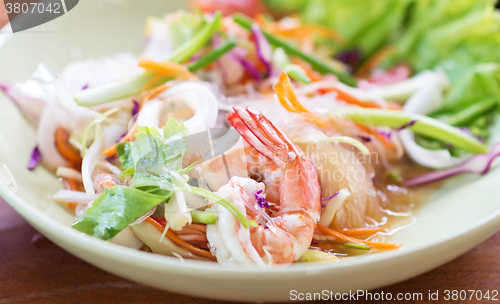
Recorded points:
(115, 209)
(356, 246)
(468, 114)
(134, 85)
(154, 161)
(203, 217)
(319, 63)
(423, 125)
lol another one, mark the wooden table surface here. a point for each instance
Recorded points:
(34, 270)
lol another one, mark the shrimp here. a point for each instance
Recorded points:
(285, 229)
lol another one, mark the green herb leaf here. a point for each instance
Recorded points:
(115, 209)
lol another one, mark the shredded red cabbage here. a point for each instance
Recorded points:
(261, 199)
(121, 137)
(35, 158)
(407, 125)
(478, 164)
(330, 197)
(85, 87)
(247, 65)
(135, 108)
(386, 135)
(365, 138)
(264, 49)
(350, 57)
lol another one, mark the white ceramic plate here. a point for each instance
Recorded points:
(458, 217)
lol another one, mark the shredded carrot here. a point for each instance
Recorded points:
(300, 31)
(153, 93)
(174, 238)
(71, 184)
(344, 238)
(165, 69)
(375, 61)
(308, 30)
(348, 98)
(289, 101)
(377, 135)
(111, 150)
(361, 231)
(65, 148)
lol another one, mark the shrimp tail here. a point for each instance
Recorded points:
(261, 134)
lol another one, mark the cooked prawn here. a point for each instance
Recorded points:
(286, 228)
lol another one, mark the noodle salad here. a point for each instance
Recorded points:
(240, 140)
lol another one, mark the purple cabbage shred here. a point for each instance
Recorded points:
(330, 197)
(85, 87)
(350, 57)
(478, 164)
(386, 135)
(407, 125)
(135, 108)
(365, 138)
(35, 158)
(261, 199)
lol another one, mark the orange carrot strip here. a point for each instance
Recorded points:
(361, 231)
(377, 135)
(71, 184)
(344, 238)
(111, 150)
(174, 238)
(166, 69)
(65, 148)
(375, 61)
(307, 30)
(348, 98)
(289, 101)
(153, 93)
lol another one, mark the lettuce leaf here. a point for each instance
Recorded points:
(436, 28)
(367, 25)
(151, 159)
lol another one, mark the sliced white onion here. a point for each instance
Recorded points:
(67, 101)
(111, 168)
(402, 90)
(144, 216)
(96, 72)
(67, 172)
(127, 238)
(28, 97)
(426, 99)
(333, 206)
(70, 196)
(150, 235)
(90, 160)
(195, 94)
(81, 209)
